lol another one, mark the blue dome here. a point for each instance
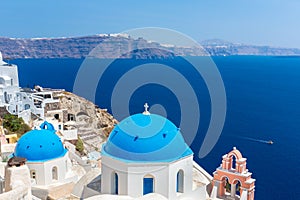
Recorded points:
(146, 138)
(40, 145)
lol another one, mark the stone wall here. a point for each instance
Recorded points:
(51, 106)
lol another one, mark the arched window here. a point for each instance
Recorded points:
(180, 181)
(148, 184)
(115, 183)
(54, 173)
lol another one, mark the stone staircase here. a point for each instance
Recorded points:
(92, 141)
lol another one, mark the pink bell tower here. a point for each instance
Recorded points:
(232, 179)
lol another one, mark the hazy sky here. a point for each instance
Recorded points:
(262, 22)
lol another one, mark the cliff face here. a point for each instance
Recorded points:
(93, 124)
(224, 48)
(48, 48)
(79, 47)
(110, 46)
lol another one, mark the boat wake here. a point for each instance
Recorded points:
(257, 140)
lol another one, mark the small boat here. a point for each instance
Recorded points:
(270, 142)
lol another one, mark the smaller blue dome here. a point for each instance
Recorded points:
(40, 145)
(146, 138)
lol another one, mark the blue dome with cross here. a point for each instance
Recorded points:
(146, 138)
(40, 145)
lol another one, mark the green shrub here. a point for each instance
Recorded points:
(15, 125)
(79, 145)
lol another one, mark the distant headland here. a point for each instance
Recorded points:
(80, 47)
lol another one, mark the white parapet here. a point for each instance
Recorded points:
(17, 183)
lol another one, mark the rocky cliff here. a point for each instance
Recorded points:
(110, 45)
(93, 123)
(224, 48)
(80, 47)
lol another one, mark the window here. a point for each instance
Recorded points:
(56, 116)
(32, 174)
(27, 107)
(66, 165)
(148, 184)
(180, 181)
(2, 81)
(47, 96)
(71, 117)
(54, 173)
(115, 183)
(6, 97)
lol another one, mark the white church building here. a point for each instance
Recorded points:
(146, 153)
(47, 158)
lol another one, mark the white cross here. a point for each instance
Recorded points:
(146, 112)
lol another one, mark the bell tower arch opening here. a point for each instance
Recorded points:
(226, 185)
(233, 162)
(236, 189)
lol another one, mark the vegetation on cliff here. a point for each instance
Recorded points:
(13, 124)
(79, 145)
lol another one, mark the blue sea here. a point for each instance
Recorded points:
(263, 103)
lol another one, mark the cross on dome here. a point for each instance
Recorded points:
(146, 112)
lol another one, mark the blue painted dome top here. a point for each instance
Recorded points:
(40, 145)
(146, 138)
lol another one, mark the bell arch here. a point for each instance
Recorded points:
(236, 188)
(232, 178)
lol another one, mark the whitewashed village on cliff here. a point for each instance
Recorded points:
(45, 162)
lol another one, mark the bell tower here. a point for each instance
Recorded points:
(232, 179)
